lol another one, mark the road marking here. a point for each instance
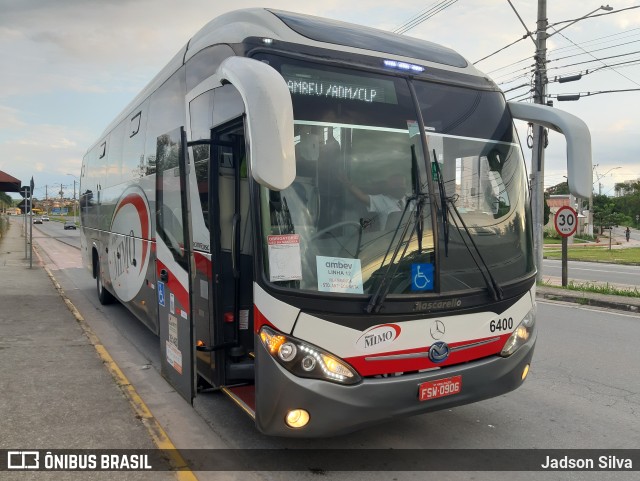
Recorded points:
(155, 430)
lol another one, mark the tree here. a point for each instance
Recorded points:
(606, 214)
(547, 209)
(626, 188)
(559, 189)
(5, 200)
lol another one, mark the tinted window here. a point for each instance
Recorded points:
(464, 112)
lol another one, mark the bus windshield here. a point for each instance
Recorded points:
(360, 202)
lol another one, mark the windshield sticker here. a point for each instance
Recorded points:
(337, 274)
(421, 277)
(284, 258)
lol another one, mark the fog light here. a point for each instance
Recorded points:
(525, 372)
(297, 418)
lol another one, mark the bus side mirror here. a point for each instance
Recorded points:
(576, 132)
(269, 119)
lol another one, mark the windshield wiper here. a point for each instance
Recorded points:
(383, 285)
(417, 225)
(443, 205)
(448, 204)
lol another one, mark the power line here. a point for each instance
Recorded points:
(594, 60)
(591, 51)
(573, 47)
(529, 68)
(598, 38)
(578, 95)
(619, 65)
(529, 34)
(601, 60)
(527, 95)
(414, 17)
(434, 10)
(501, 49)
(516, 88)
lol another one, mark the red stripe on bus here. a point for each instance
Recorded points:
(140, 206)
(260, 320)
(367, 365)
(203, 264)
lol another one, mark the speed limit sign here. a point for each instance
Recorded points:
(566, 221)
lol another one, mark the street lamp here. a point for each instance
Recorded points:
(74, 197)
(606, 8)
(598, 177)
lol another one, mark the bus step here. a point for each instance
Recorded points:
(243, 396)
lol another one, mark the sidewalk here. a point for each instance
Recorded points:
(55, 392)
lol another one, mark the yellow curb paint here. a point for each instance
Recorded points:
(155, 430)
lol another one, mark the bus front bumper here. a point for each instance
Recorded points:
(337, 409)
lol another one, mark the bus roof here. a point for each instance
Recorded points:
(236, 26)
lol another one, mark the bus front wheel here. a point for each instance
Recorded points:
(104, 296)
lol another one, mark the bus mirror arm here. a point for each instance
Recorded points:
(269, 119)
(576, 132)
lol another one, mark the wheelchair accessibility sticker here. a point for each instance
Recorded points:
(161, 293)
(421, 277)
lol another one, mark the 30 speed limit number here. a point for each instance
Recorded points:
(566, 221)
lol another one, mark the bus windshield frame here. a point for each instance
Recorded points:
(351, 213)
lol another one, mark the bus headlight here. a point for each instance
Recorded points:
(306, 360)
(521, 334)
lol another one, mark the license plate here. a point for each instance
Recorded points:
(440, 388)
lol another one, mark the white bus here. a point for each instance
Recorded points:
(327, 222)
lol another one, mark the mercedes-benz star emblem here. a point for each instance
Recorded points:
(437, 330)
(439, 351)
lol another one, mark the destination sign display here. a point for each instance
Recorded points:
(338, 86)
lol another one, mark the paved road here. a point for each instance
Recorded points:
(57, 231)
(581, 393)
(590, 271)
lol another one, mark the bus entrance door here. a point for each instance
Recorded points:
(173, 264)
(232, 260)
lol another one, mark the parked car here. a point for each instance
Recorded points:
(69, 225)
(45, 218)
(37, 220)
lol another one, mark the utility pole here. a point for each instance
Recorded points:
(537, 159)
(74, 201)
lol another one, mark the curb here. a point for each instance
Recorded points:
(619, 303)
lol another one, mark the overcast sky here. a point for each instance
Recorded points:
(70, 66)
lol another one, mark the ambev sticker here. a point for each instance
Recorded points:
(338, 274)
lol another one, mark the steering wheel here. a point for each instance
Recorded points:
(335, 226)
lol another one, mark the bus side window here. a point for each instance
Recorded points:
(165, 105)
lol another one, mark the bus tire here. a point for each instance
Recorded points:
(104, 296)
